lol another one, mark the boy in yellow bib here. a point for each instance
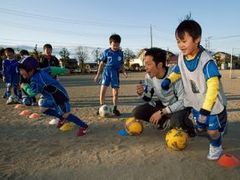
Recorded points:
(202, 85)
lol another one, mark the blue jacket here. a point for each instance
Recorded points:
(10, 71)
(42, 82)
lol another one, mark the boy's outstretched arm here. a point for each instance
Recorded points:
(173, 77)
(55, 70)
(27, 89)
(211, 95)
(99, 71)
(212, 77)
(124, 71)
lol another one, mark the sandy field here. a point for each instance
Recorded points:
(33, 149)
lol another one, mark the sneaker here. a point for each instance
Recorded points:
(214, 152)
(116, 112)
(54, 121)
(82, 131)
(60, 123)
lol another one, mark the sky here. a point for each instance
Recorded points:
(76, 23)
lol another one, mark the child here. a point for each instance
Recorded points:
(26, 100)
(48, 59)
(11, 74)
(203, 88)
(55, 101)
(112, 58)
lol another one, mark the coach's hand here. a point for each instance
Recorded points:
(154, 119)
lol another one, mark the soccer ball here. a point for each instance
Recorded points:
(176, 139)
(105, 111)
(133, 127)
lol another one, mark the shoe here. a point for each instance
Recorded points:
(60, 123)
(116, 112)
(54, 121)
(6, 95)
(214, 152)
(82, 131)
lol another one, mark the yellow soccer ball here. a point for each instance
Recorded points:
(66, 127)
(176, 139)
(133, 127)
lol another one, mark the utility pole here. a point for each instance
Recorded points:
(151, 35)
(208, 42)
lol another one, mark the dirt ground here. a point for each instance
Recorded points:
(33, 149)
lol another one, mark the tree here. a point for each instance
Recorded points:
(128, 55)
(64, 53)
(96, 54)
(35, 53)
(82, 56)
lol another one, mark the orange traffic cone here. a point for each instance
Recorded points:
(25, 113)
(34, 116)
(228, 160)
(18, 106)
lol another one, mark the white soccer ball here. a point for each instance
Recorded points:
(105, 111)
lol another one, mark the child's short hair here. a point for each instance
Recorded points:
(9, 50)
(115, 38)
(47, 46)
(159, 55)
(24, 52)
(191, 27)
(28, 64)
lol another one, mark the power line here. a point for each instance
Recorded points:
(67, 20)
(224, 37)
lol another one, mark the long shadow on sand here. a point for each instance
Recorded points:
(130, 100)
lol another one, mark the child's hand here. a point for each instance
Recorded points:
(96, 78)
(166, 84)
(22, 85)
(125, 74)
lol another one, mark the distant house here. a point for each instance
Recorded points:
(91, 67)
(224, 60)
(171, 58)
(71, 63)
(137, 64)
